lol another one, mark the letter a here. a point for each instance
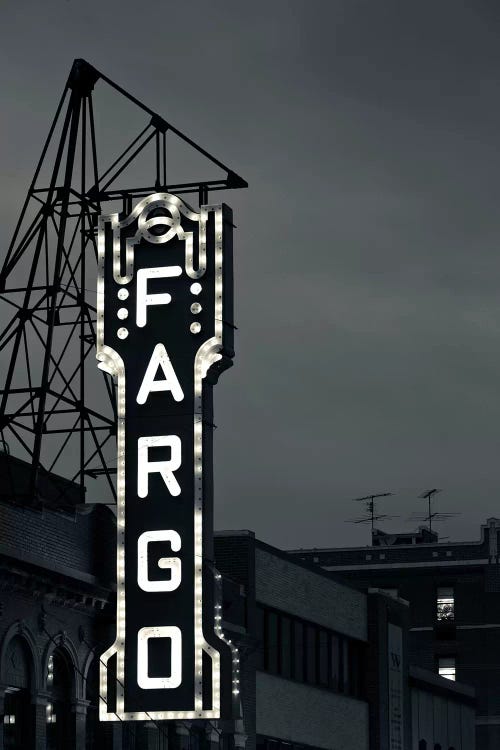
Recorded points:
(159, 358)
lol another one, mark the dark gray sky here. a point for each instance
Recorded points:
(367, 252)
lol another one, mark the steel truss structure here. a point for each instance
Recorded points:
(54, 409)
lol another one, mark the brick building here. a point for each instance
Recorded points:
(324, 665)
(55, 579)
(57, 584)
(453, 590)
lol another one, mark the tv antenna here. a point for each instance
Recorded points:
(431, 515)
(371, 509)
(54, 408)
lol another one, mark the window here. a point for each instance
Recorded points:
(17, 708)
(356, 672)
(306, 652)
(286, 647)
(323, 658)
(311, 653)
(445, 604)
(446, 667)
(346, 675)
(272, 642)
(298, 651)
(335, 662)
(259, 631)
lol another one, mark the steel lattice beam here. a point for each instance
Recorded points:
(53, 411)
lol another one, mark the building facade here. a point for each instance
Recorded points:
(327, 665)
(324, 665)
(54, 587)
(303, 639)
(57, 608)
(453, 590)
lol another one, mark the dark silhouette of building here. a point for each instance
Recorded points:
(324, 665)
(453, 590)
(55, 577)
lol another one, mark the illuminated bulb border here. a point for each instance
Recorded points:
(111, 362)
(176, 207)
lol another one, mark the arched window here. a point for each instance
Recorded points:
(437, 746)
(422, 745)
(17, 712)
(60, 680)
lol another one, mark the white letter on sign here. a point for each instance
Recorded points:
(159, 358)
(145, 467)
(144, 300)
(172, 563)
(152, 683)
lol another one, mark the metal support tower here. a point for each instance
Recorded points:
(55, 412)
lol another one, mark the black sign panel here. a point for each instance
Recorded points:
(165, 333)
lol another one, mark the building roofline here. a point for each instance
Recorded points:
(285, 555)
(364, 548)
(404, 565)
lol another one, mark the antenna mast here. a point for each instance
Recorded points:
(371, 508)
(432, 515)
(429, 495)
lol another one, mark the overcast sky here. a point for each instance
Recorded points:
(367, 252)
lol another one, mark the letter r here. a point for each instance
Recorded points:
(145, 467)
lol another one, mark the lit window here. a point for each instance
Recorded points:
(446, 667)
(445, 604)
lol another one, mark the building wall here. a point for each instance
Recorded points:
(56, 599)
(416, 571)
(473, 639)
(303, 714)
(54, 582)
(235, 560)
(436, 719)
(273, 706)
(282, 584)
(385, 613)
(78, 544)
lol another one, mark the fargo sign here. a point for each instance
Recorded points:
(164, 331)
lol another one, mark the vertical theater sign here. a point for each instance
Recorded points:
(164, 331)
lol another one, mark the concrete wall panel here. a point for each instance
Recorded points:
(287, 586)
(304, 714)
